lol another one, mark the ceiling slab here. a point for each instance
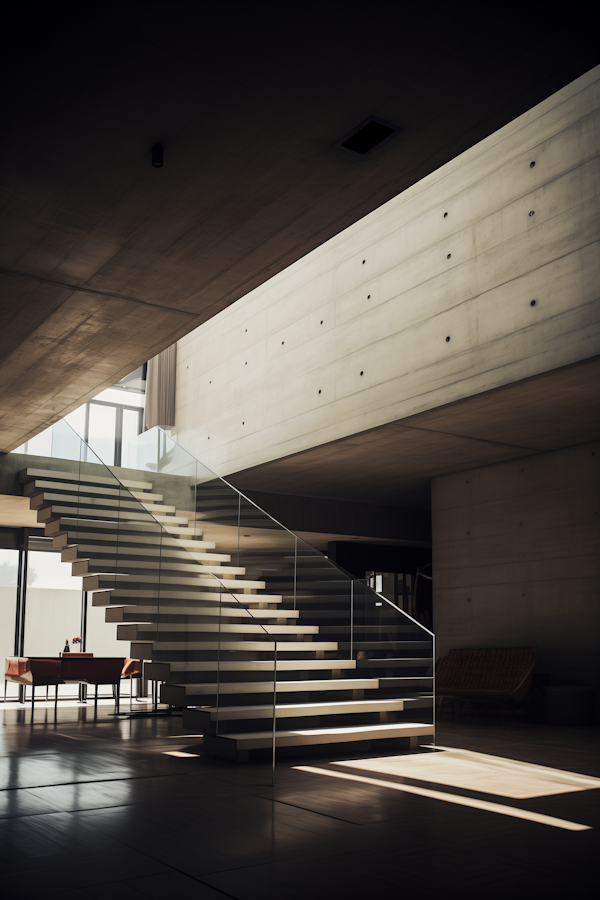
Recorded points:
(393, 465)
(106, 260)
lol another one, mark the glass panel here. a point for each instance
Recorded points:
(101, 639)
(212, 631)
(9, 561)
(391, 646)
(119, 397)
(102, 432)
(66, 443)
(53, 607)
(131, 429)
(40, 445)
(340, 635)
(76, 420)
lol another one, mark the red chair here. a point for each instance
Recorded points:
(33, 672)
(132, 669)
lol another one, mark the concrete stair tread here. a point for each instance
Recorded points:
(181, 530)
(81, 550)
(259, 740)
(192, 545)
(31, 474)
(400, 662)
(264, 646)
(135, 616)
(104, 598)
(199, 580)
(166, 564)
(259, 665)
(230, 600)
(102, 498)
(287, 710)
(54, 500)
(142, 530)
(391, 644)
(124, 513)
(39, 487)
(172, 520)
(185, 694)
(161, 508)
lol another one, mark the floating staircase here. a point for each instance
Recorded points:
(226, 640)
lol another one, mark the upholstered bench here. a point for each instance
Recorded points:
(489, 676)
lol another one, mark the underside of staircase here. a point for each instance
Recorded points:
(228, 641)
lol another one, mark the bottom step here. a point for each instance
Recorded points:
(230, 746)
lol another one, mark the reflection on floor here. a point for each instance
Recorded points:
(97, 807)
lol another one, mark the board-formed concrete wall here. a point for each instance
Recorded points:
(355, 334)
(516, 560)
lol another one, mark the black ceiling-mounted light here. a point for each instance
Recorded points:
(368, 136)
(157, 156)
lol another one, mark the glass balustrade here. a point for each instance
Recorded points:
(261, 639)
(331, 627)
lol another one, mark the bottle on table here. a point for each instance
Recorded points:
(67, 648)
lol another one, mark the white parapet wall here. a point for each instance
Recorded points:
(355, 334)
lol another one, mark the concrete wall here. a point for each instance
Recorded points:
(516, 560)
(355, 334)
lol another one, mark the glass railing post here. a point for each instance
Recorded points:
(352, 619)
(295, 568)
(239, 525)
(219, 661)
(433, 684)
(274, 724)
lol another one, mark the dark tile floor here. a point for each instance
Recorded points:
(93, 808)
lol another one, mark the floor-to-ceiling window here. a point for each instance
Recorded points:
(50, 611)
(9, 573)
(53, 607)
(107, 423)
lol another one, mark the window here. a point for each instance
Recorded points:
(53, 607)
(9, 563)
(101, 433)
(107, 424)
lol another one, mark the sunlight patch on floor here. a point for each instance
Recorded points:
(477, 772)
(178, 753)
(456, 799)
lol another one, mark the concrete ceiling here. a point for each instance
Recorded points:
(105, 260)
(393, 465)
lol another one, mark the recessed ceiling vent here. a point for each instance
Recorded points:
(368, 136)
